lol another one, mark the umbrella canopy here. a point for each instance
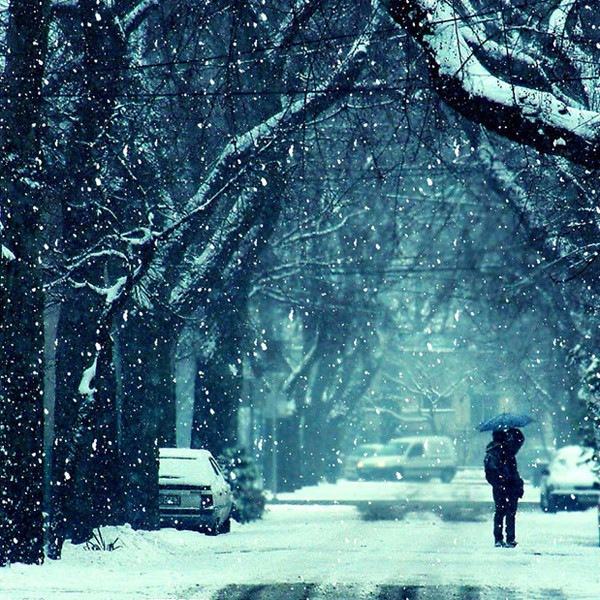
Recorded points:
(505, 421)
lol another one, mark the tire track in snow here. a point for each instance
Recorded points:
(307, 591)
(466, 592)
(277, 591)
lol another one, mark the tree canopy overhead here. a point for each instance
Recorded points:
(525, 70)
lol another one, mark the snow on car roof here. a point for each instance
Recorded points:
(367, 447)
(182, 453)
(185, 466)
(421, 438)
(574, 453)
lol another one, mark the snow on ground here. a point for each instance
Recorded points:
(324, 545)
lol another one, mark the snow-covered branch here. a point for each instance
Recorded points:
(534, 117)
(382, 410)
(241, 151)
(83, 261)
(5, 253)
(133, 19)
(238, 150)
(557, 23)
(110, 293)
(298, 16)
(297, 370)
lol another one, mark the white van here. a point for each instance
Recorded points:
(415, 457)
(193, 491)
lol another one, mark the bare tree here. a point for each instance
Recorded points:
(21, 285)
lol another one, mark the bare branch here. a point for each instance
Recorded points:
(297, 370)
(529, 116)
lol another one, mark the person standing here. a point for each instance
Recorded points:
(502, 474)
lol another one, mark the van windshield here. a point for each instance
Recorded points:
(366, 451)
(392, 449)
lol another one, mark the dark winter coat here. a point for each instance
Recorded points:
(500, 465)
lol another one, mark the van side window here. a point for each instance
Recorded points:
(417, 450)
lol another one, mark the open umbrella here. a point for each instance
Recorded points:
(505, 421)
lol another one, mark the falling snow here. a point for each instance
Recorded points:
(319, 239)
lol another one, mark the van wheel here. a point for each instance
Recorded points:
(225, 527)
(547, 502)
(447, 475)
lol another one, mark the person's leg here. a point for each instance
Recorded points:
(499, 501)
(511, 518)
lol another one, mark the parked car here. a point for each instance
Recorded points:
(192, 491)
(354, 456)
(416, 457)
(533, 460)
(570, 481)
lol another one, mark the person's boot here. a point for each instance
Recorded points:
(511, 544)
(499, 544)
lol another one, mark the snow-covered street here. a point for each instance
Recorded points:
(328, 552)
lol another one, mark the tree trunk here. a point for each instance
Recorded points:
(21, 389)
(218, 384)
(86, 447)
(21, 291)
(148, 411)
(70, 514)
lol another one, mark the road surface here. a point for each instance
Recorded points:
(329, 553)
(282, 591)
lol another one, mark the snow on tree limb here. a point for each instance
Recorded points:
(229, 166)
(534, 117)
(85, 385)
(300, 13)
(239, 152)
(297, 237)
(137, 15)
(296, 370)
(110, 293)
(558, 19)
(6, 253)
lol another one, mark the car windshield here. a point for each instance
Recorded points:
(192, 470)
(574, 456)
(396, 448)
